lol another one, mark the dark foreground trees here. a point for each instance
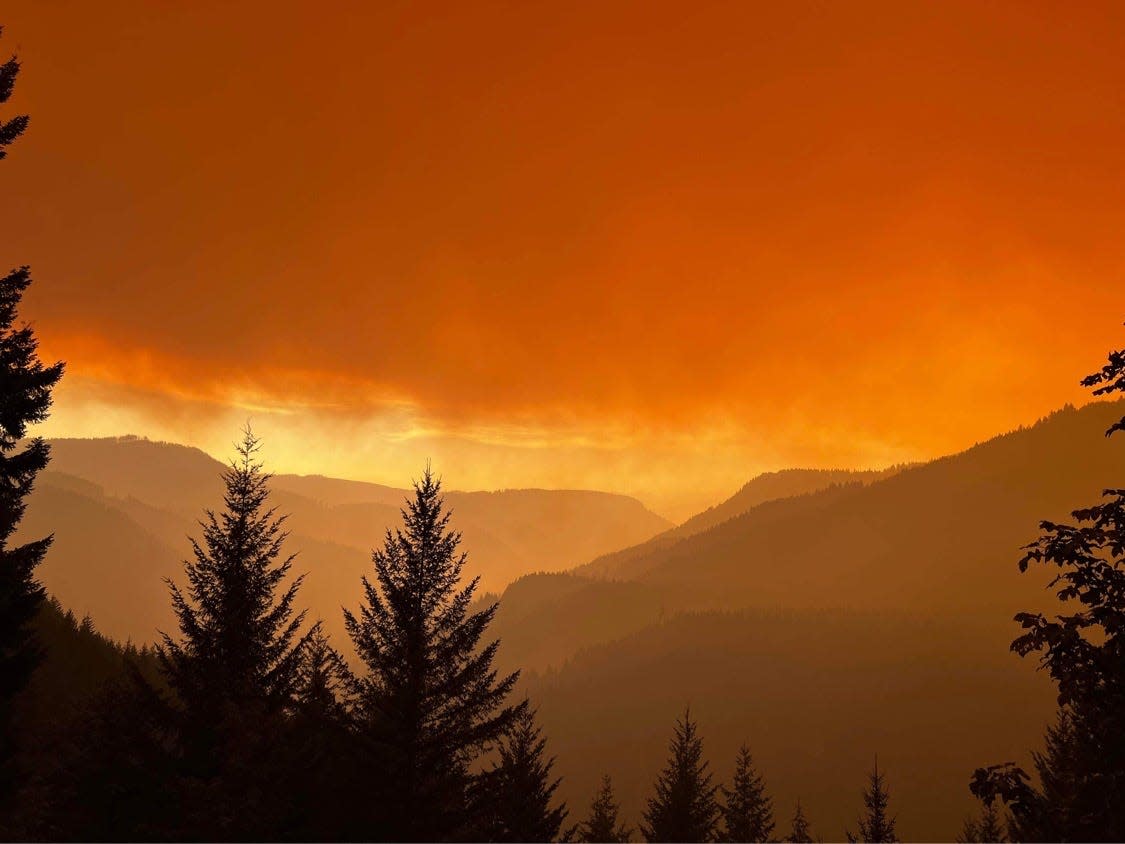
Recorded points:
(516, 795)
(800, 831)
(602, 823)
(431, 703)
(747, 810)
(239, 645)
(875, 824)
(683, 807)
(235, 668)
(25, 398)
(1081, 795)
(987, 828)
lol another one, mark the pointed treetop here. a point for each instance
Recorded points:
(801, 832)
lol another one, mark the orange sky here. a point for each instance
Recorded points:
(652, 248)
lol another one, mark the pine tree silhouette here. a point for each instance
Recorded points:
(25, 398)
(239, 633)
(1082, 771)
(324, 682)
(602, 824)
(801, 832)
(987, 828)
(517, 793)
(875, 825)
(13, 127)
(747, 810)
(684, 807)
(321, 787)
(234, 672)
(431, 702)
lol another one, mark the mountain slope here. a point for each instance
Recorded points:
(764, 488)
(122, 510)
(822, 628)
(816, 696)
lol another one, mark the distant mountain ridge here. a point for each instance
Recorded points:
(122, 508)
(822, 628)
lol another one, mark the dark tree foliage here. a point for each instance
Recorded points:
(431, 702)
(684, 806)
(113, 773)
(602, 824)
(800, 831)
(747, 810)
(25, 398)
(324, 682)
(13, 127)
(239, 642)
(320, 755)
(1082, 773)
(875, 825)
(234, 672)
(986, 828)
(518, 791)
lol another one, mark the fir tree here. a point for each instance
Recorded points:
(801, 832)
(13, 127)
(684, 807)
(431, 702)
(747, 811)
(875, 825)
(987, 828)
(320, 788)
(324, 681)
(25, 398)
(240, 643)
(234, 671)
(1082, 771)
(517, 792)
(602, 824)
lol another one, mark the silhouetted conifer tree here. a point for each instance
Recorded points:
(235, 669)
(13, 127)
(875, 825)
(25, 398)
(114, 775)
(747, 810)
(517, 793)
(322, 790)
(602, 824)
(239, 640)
(684, 807)
(1082, 771)
(986, 828)
(800, 832)
(324, 682)
(431, 702)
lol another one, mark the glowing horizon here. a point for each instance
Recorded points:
(654, 256)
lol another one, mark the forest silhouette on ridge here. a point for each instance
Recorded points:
(192, 650)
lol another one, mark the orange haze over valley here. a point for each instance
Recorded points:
(648, 248)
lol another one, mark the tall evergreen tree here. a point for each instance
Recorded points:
(517, 793)
(431, 702)
(234, 671)
(321, 789)
(683, 807)
(13, 127)
(875, 825)
(324, 681)
(1082, 771)
(239, 641)
(25, 398)
(747, 810)
(800, 832)
(602, 824)
(987, 828)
